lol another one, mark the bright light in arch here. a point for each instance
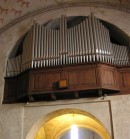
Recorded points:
(74, 132)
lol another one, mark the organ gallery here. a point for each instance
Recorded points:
(67, 62)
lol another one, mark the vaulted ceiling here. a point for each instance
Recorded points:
(13, 9)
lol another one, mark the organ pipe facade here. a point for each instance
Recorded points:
(89, 41)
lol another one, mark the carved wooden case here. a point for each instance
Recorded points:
(82, 80)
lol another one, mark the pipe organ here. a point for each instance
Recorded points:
(86, 42)
(68, 62)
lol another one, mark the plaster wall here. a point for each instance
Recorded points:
(11, 10)
(23, 120)
(35, 112)
(16, 120)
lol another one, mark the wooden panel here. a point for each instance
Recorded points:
(119, 79)
(23, 82)
(10, 91)
(31, 83)
(126, 79)
(73, 79)
(82, 77)
(39, 81)
(51, 79)
(108, 77)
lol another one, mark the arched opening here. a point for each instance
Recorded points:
(57, 123)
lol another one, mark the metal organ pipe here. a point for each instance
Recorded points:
(38, 46)
(126, 55)
(65, 40)
(54, 48)
(58, 47)
(80, 47)
(81, 42)
(71, 51)
(122, 54)
(103, 43)
(94, 35)
(99, 37)
(97, 32)
(33, 44)
(119, 54)
(110, 46)
(91, 39)
(97, 43)
(63, 32)
(44, 48)
(71, 45)
(42, 45)
(76, 45)
(85, 53)
(49, 47)
(88, 41)
(106, 46)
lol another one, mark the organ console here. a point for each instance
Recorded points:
(85, 43)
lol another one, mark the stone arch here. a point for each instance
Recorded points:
(54, 124)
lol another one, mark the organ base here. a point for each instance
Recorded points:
(91, 80)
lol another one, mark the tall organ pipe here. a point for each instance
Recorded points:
(79, 39)
(73, 49)
(33, 43)
(49, 47)
(54, 48)
(58, 47)
(95, 43)
(70, 45)
(39, 46)
(83, 41)
(76, 45)
(42, 45)
(86, 42)
(91, 38)
(63, 32)
(89, 42)
(98, 42)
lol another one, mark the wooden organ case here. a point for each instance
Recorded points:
(74, 62)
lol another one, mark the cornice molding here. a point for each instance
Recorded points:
(64, 5)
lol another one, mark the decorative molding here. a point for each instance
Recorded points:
(65, 5)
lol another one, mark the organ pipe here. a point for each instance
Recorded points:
(89, 41)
